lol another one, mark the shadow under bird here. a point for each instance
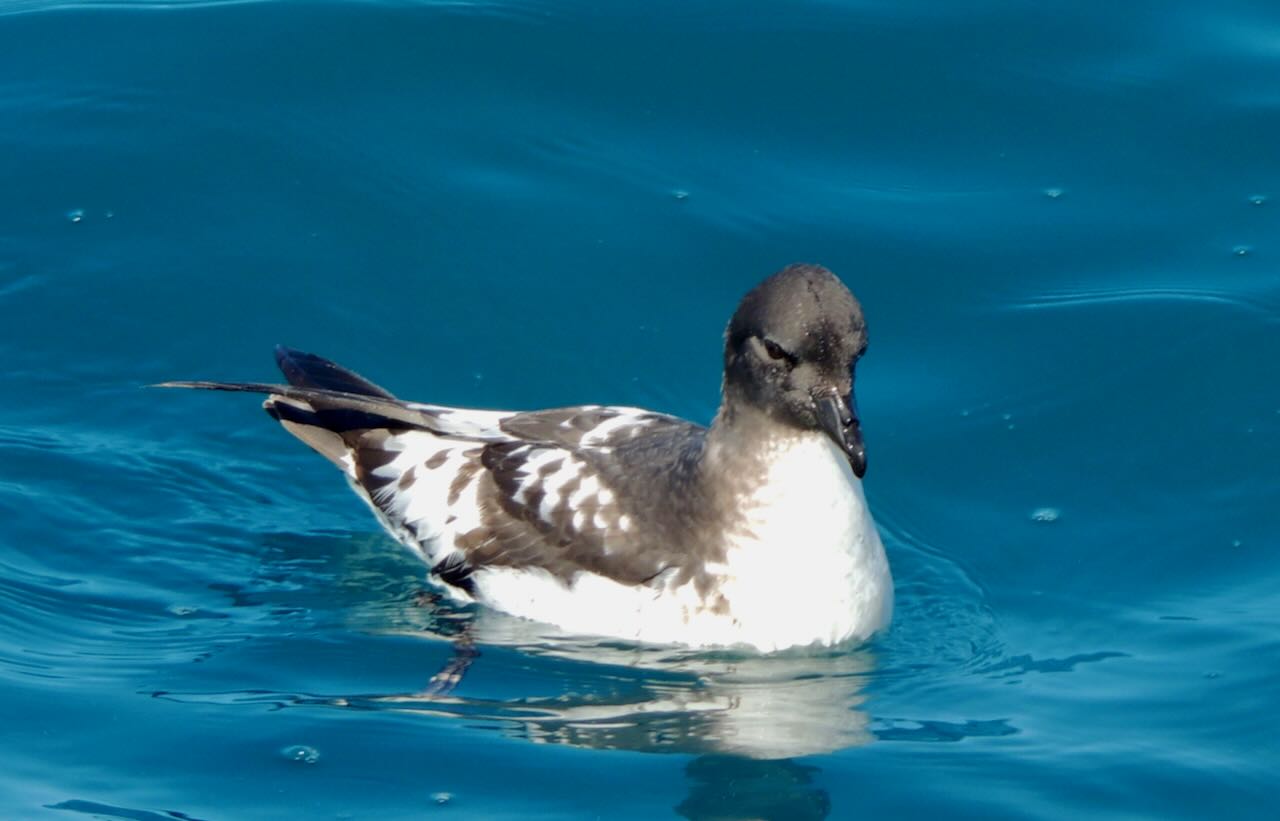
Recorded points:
(622, 522)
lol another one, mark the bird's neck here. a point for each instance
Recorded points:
(742, 439)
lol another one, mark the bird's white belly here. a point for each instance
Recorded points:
(807, 568)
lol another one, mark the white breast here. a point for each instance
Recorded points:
(809, 565)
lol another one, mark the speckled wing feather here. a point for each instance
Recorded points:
(552, 494)
(555, 490)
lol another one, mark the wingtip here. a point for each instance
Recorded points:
(308, 370)
(283, 352)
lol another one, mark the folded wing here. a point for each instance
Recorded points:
(472, 490)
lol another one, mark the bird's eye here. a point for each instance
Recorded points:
(778, 352)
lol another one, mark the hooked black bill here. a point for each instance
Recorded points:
(838, 421)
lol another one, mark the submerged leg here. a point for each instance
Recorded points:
(450, 675)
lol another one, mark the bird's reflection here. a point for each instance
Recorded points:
(630, 697)
(742, 716)
(663, 699)
(726, 787)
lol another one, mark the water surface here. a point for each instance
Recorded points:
(1061, 220)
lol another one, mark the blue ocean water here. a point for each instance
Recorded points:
(1060, 217)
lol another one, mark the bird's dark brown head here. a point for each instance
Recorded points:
(790, 351)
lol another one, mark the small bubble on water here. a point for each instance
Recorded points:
(1236, 542)
(1242, 250)
(965, 412)
(442, 798)
(1213, 674)
(680, 194)
(1045, 514)
(181, 609)
(110, 215)
(301, 753)
(1006, 416)
(1053, 193)
(1258, 199)
(75, 214)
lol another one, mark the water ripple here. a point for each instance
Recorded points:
(19, 284)
(16, 7)
(1080, 298)
(899, 729)
(107, 811)
(942, 621)
(1021, 665)
(515, 9)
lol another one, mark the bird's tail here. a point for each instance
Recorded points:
(324, 404)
